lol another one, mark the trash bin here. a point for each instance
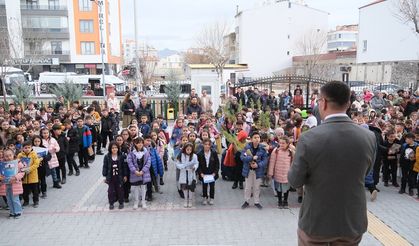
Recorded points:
(170, 113)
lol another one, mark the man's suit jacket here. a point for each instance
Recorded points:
(331, 161)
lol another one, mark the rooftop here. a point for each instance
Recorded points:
(211, 66)
(373, 3)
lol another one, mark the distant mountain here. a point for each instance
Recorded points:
(166, 52)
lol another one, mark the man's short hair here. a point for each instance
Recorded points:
(255, 133)
(336, 92)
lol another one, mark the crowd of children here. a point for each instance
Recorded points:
(251, 139)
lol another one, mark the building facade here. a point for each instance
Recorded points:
(343, 38)
(389, 39)
(67, 32)
(267, 36)
(389, 42)
(204, 77)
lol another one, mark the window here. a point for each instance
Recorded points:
(340, 35)
(32, 4)
(54, 4)
(87, 48)
(85, 5)
(56, 47)
(86, 26)
(288, 53)
(206, 88)
(365, 45)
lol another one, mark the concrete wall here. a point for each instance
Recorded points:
(388, 38)
(266, 34)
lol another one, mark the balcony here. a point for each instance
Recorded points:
(44, 10)
(63, 55)
(47, 33)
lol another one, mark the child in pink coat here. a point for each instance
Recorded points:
(279, 165)
(13, 189)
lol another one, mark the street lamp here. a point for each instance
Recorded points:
(100, 4)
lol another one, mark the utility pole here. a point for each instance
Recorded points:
(138, 77)
(100, 5)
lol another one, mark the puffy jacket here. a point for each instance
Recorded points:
(32, 176)
(74, 141)
(378, 103)
(53, 147)
(126, 106)
(156, 162)
(17, 187)
(133, 166)
(63, 143)
(261, 161)
(279, 165)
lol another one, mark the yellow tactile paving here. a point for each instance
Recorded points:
(384, 233)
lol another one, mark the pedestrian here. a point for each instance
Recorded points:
(209, 165)
(12, 189)
(407, 161)
(30, 162)
(116, 174)
(128, 110)
(108, 128)
(85, 142)
(279, 164)
(139, 163)
(255, 159)
(61, 154)
(350, 155)
(72, 136)
(187, 163)
(43, 166)
(157, 169)
(53, 147)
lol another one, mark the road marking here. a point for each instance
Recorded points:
(384, 233)
(87, 195)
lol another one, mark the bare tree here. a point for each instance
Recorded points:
(408, 12)
(195, 56)
(148, 63)
(211, 41)
(312, 46)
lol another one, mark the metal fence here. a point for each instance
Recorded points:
(159, 106)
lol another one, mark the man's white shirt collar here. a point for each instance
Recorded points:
(335, 115)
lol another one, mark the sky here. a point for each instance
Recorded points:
(175, 24)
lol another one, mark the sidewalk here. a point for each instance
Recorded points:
(78, 214)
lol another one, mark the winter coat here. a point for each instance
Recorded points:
(377, 103)
(144, 129)
(87, 138)
(213, 167)
(107, 168)
(187, 168)
(108, 124)
(63, 143)
(144, 111)
(32, 176)
(261, 161)
(194, 108)
(17, 187)
(74, 141)
(369, 179)
(53, 147)
(133, 166)
(156, 162)
(279, 165)
(176, 135)
(126, 106)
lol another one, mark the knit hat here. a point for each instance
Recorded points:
(242, 136)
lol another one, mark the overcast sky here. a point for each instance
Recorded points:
(174, 24)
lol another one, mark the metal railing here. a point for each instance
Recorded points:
(42, 7)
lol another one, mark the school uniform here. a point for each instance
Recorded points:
(208, 164)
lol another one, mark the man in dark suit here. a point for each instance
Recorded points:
(331, 162)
